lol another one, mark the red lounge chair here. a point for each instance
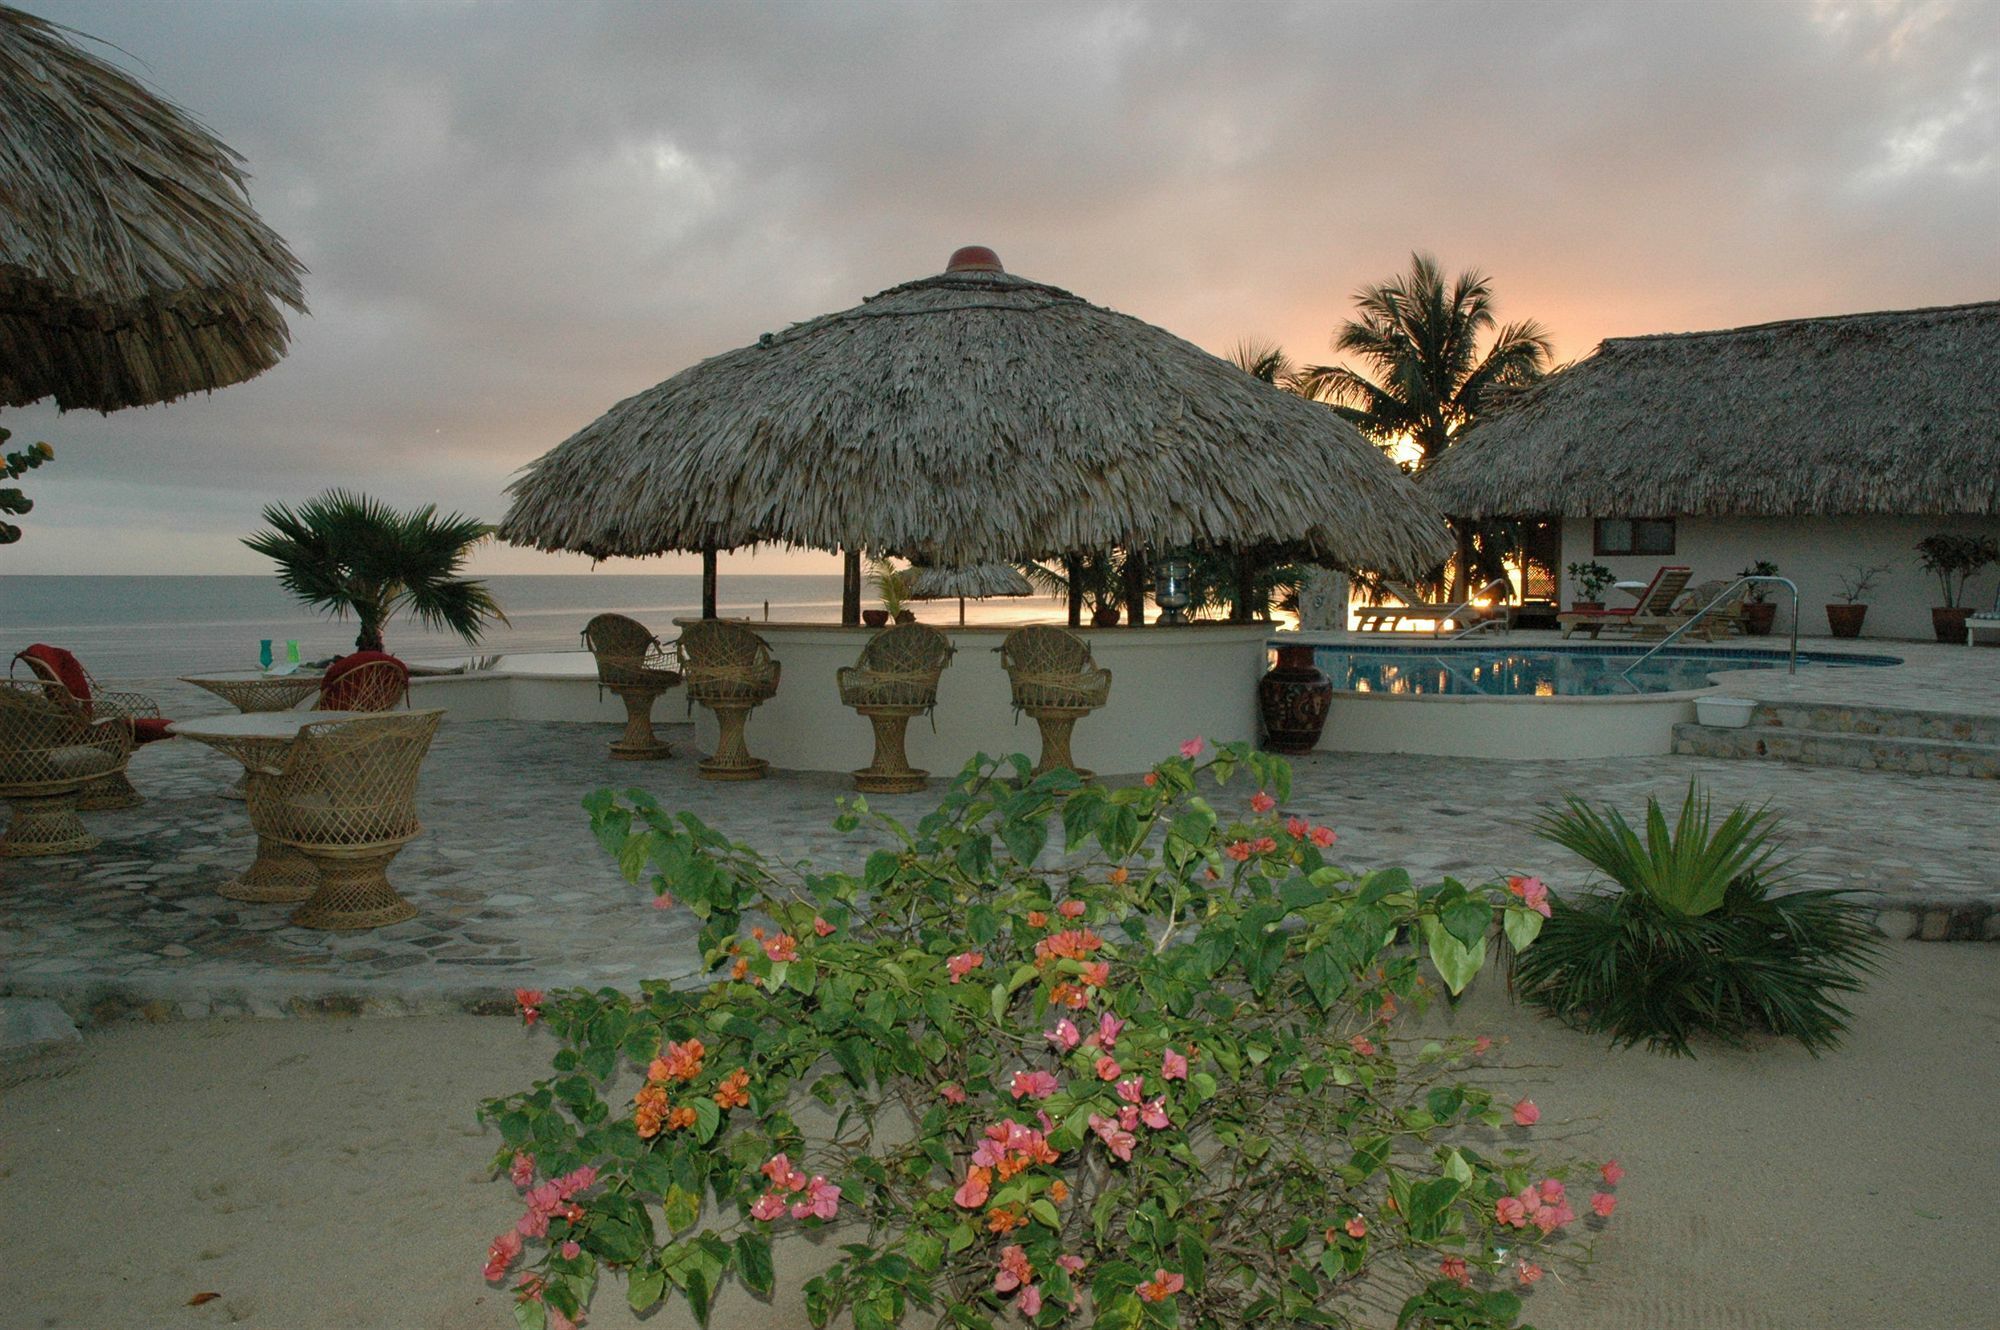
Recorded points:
(364, 681)
(66, 682)
(1654, 610)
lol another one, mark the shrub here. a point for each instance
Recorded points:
(1146, 1075)
(1695, 940)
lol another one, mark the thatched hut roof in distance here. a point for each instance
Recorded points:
(132, 267)
(974, 583)
(969, 417)
(1895, 412)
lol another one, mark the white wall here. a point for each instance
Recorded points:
(1812, 551)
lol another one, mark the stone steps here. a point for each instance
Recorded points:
(1924, 743)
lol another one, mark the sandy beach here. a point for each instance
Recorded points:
(330, 1173)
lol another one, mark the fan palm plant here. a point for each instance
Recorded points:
(349, 554)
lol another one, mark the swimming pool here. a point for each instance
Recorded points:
(1405, 670)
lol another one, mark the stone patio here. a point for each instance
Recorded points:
(513, 891)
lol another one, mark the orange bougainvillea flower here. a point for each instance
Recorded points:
(1038, 919)
(680, 1117)
(677, 1062)
(738, 970)
(1003, 1220)
(1120, 875)
(650, 1110)
(1163, 1285)
(1072, 944)
(1067, 994)
(1059, 1191)
(734, 1092)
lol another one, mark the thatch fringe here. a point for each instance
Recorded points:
(967, 418)
(978, 582)
(1891, 412)
(133, 269)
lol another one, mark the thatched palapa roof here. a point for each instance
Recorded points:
(132, 267)
(964, 418)
(977, 582)
(1895, 412)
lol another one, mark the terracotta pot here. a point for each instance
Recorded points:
(1586, 607)
(1845, 620)
(1758, 615)
(1294, 697)
(1948, 622)
(874, 618)
(1106, 617)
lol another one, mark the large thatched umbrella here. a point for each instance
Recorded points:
(980, 581)
(132, 267)
(964, 418)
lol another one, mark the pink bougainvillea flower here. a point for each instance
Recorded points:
(821, 926)
(1173, 1066)
(1261, 802)
(769, 1206)
(1549, 1218)
(1065, 1036)
(522, 1172)
(972, 1193)
(1550, 1189)
(530, 1000)
(1509, 1211)
(1297, 828)
(1071, 909)
(1191, 749)
(1453, 1268)
(1612, 1173)
(1154, 1114)
(570, 1250)
(1073, 1264)
(822, 1199)
(558, 1321)
(1532, 893)
(1363, 1045)
(1264, 845)
(1030, 1301)
(1033, 1085)
(501, 1255)
(1151, 779)
(664, 901)
(1323, 836)
(1603, 1204)
(963, 964)
(1526, 1114)
(952, 1092)
(1128, 1116)
(1529, 1272)
(1163, 1285)
(1116, 1138)
(778, 1168)
(1097, 974)
(1132, 1091)
(1356, 1227)
(1107, 1068)
(1108, 1027)
(783, 947)
(1015, 1270)
(1481, 1045)
(1239, 850)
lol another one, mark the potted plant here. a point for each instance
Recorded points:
(887, 580)
(1844, 619)
(1759, 611)
(1591, 579)
(1953, 558)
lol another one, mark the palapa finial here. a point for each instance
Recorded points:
(974, 258)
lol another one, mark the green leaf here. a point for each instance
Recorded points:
(882, 866)
(707, 1117)
(530, 1315)
(1025, 839)
(1523, 926)
(1456, 963)
(1325, 977)
(681, 1208)
(1466, 920)
(643, 1286)
(753, 1263)
(925, 1250)
(1046, 1211)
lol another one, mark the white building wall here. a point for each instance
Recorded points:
(1812, 551)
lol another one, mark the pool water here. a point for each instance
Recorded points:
(1591, 671)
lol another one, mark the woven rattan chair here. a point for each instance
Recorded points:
(364, 681)
(633, 665)
(728, 669)
(65, 681)
(1056, 681)
(49, 754)
(895, 678)
(346, 798)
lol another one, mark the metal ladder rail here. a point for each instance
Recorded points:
(1483, 624)
(1792, 665)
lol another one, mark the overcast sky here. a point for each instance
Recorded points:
(516, 214)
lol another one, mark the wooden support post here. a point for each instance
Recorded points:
(1246, 587)
(1073, 573)
(1135, 587)
(708, 582)
(1464, 531)
(850, 587)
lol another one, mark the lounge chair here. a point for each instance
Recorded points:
(1652, 615)
(633, 665)
(1056, 681)
(1465, 613)
(67, 683)
(50, 753)
(728, 669)
(364, 681)
(895, 678)
(1725, 620)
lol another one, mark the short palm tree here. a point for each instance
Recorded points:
(347, 553)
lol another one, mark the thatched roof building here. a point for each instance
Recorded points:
(978, 582)
(132, 267)
(1896, 412)
(964, 418)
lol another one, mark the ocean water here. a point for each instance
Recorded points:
(151, 627)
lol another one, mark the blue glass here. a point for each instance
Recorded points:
(264, 653)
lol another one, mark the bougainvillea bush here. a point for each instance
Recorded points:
(1059, 1054)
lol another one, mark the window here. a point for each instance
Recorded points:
(1635, 535)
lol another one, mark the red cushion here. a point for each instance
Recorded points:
(332, 695)
(64, 666)
(145, 729)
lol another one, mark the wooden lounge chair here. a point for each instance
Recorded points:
(1653, 615)
(1387, 618)
(632, 665)
(1725, 620)
(67, 683)
(49, 755)
(345, 797)
(364, 681)
(728, 669)
(1056, 681)
(895, 678)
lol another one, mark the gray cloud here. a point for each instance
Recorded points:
(516, 214)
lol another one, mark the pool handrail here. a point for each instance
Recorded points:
(1499, 620)
(1791, 664)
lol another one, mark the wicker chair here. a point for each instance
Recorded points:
(1056, 681)
(364, 681)
(728, 669)
(632, 664)
(346, 798)
(895, 678)
(67, 683)
(49, 755)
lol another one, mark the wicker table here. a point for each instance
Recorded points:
(253, 691)
(258, 739)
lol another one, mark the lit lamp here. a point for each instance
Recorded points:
(1171, 580)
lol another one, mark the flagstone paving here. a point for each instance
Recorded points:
(513, 891)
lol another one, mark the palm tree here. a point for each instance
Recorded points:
(347, 553)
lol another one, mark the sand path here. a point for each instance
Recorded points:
(326, 1173)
